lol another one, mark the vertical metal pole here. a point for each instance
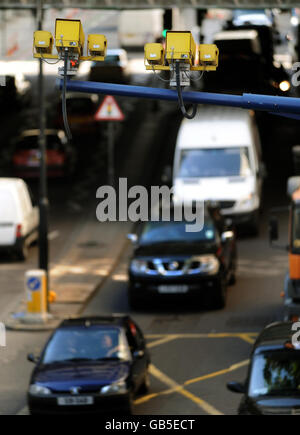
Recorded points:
(43, 199)
(111, 154)
(3, 33)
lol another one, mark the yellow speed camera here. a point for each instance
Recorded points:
(209, 56)
(43, 42)
(180, 46)
(154, 54)
(69, 35)
(97, 46)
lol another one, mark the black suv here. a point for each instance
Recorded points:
(273, 383)
(170, 262)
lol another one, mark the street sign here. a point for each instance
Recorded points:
(109, 110)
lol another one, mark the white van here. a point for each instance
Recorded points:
(19, 219)
(139, 27)
(218, 158)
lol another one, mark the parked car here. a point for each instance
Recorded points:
(81, 109)
(26, 156)
(90, 365)
(257, 17)
(218, 158)
(19, 218)
(170, 262)
(113, 70)
(272, 384)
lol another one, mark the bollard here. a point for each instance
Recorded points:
(36, 296)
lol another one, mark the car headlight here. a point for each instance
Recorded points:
(38, 390)
(117, 388)
(139, 266)
(206, 264)
(285, 86)
(248, 202)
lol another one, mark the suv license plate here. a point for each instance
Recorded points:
(173, 289)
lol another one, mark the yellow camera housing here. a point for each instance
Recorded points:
(69, 34)
(209, 56)
(97, 46)
(154, 54)
(43, 42)
(181, 46)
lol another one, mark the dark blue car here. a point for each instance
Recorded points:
(90, 365)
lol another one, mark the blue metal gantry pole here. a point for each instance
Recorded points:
(283, 106)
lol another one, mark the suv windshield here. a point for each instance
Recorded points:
(276, 374)
(219, 162)
(86, 344)
(173, 232)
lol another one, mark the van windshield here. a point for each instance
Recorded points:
(219, 162)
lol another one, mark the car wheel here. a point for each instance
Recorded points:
(23, 252)
(254, 225)
(219, 296)
(145, 387)
(129, 407)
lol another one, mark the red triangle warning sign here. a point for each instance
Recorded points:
(109, 111)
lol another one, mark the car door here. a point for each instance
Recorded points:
(139, 358)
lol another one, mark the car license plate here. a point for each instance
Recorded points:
(173, 289)
(75, 401)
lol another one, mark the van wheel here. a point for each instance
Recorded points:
(23, 252)
(135, 301)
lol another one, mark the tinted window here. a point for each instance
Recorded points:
(161, 232)
(223, 162)
(276, 374)
(112, 59)
(80, 106)
(92, 343)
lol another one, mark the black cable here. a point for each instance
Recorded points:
(180, 97)
(64, 99)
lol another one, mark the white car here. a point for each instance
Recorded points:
(218, 158)
(19, 218)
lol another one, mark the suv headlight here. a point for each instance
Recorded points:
(38, 390)
(205, 264)
(139, 266)
(117, 388)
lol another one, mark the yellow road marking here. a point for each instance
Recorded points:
(211, 335)
(179, 389)
(176, 388)
(219, 373)
(247, 338)
(163, 340)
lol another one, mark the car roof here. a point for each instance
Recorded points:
(116, 52)
(275, 336)
(117, 320)
(231, 35)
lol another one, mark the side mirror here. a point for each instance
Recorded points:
(273, 229)
(138, 354)
(32, 358)
(227, 236)
(133, 238)
(236, 387)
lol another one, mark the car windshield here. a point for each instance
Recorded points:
(86, 344)
(240, 12)
(31, 143)
(173, 232)
(276, 374)
(219, 162)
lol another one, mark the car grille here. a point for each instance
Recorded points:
(162, 267)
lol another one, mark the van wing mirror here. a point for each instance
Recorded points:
(236, 387)
(133, 238)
